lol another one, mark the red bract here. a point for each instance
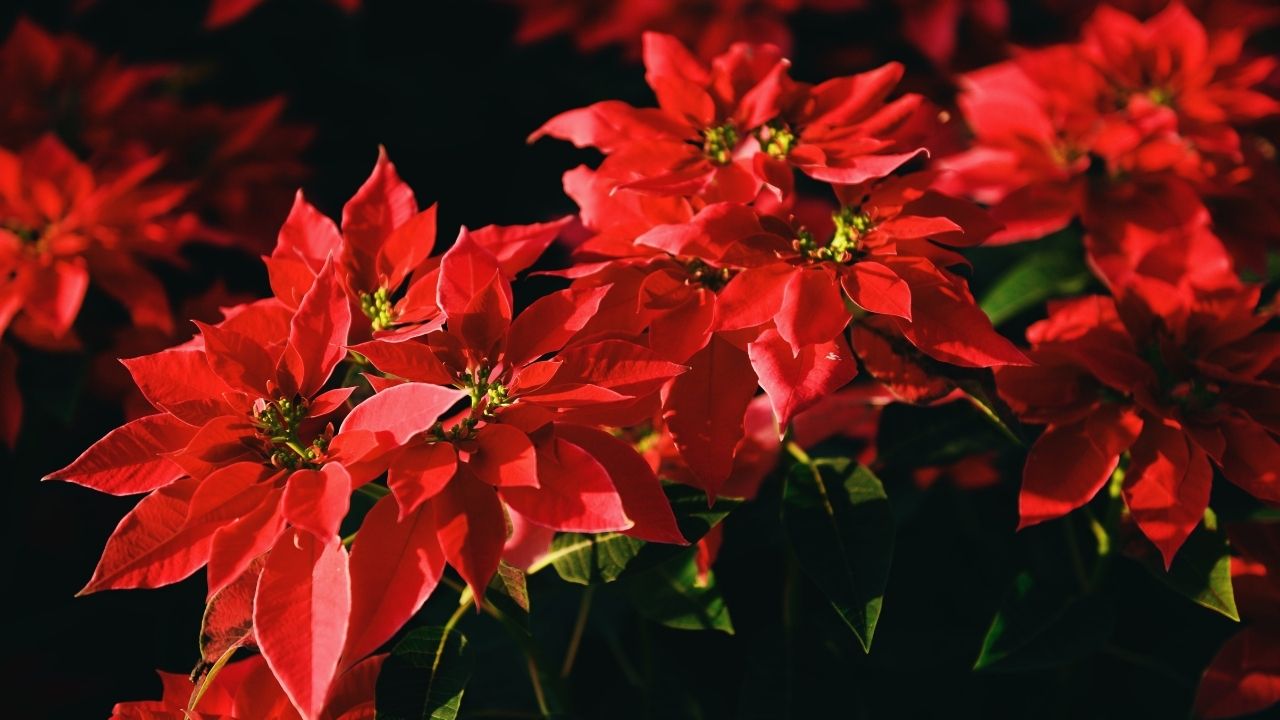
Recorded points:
(1172, 383)
(246, 690)
(526, 445)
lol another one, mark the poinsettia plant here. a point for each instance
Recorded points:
(811, 370)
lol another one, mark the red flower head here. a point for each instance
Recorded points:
(1123, 130)
(60, 227)
(1170, 382)
(699, 141)
(58, 81)
(525, 445)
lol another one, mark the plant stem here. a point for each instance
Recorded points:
(798, 453)
(580, 625)
(377, 492)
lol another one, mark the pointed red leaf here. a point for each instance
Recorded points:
(300, 615)
(642, 498)
(129, 459)
(574, 493)
(318, 332)
(518, 246)
(1243, 678)
(395, 564)
(504, 457)
(704, 409)
(875, 288)
(238, 544)
(471, 528)
(383, 203)
(409, 360)
(420, 472)
(1068, 464)
(1167, 485)
(551, 321)
(317, 500)
(795, 382)
(181, 383)
(812, 309)
(402, 411)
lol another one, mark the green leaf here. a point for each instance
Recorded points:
(1038, 627)
(840, 526)
(1201, 570)
(670, 594)
(425, 675)
(1055, 268)
(584, 559)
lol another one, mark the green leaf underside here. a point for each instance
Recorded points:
(670, 594)
(425, 676)
(839, 523)
(1037, 628)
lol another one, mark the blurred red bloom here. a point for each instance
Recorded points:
(1171, 382)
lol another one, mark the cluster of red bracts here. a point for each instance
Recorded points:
(149, 174)
(701, 275)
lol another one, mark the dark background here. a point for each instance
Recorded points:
(452, 99)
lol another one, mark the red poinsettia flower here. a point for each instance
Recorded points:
(240, 424)
(699, 141)
(759, 301)
(242, 162)
(526, 444)
(60, 227)
(59, 81)
(1177, 384)
(840, 131)
(1244, 676)
(384, 253)
(1124, 130)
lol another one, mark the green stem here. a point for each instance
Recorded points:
(517, 633)
(377, 492)
(798, 453)
(1105, 531)
(580, 625)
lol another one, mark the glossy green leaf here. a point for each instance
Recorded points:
(670, 594)
(1053, 269)
(837, 518)
(425, 675)
(1038, 627)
